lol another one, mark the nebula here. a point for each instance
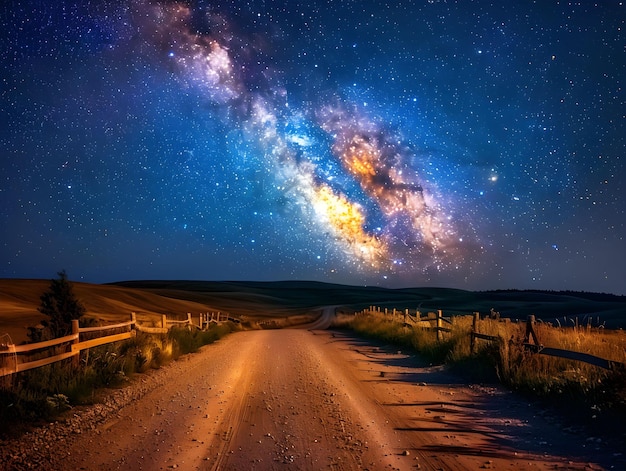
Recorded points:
(412, 230)
(380, 166)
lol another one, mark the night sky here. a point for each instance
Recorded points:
(467, 144)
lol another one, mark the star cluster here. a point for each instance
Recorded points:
(395, 143)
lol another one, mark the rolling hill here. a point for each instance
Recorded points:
(113, 302)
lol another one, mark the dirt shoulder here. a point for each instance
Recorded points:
(297, 399)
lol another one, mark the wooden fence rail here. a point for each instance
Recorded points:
(14, 358)
(530, 343)
(536, 347)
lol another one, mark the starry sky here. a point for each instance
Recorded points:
(468, 144)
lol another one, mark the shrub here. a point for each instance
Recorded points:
(61, 306)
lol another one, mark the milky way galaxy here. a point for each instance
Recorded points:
(414, 233)
(358, 142)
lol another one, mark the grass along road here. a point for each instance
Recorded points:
(311, 400)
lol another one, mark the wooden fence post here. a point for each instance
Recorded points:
(189, 318)
(133, 326)
(75, 331)
(439, 325)
(406, 314)
(163, 321)
(418, 314)
(474, 330)
(530, 331)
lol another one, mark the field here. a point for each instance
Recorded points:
(290, 297)
(19, 300)
(297, 301)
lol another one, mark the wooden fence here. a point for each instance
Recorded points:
(15, 358)
(434, 322)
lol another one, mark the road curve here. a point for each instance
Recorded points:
(312, 400)
(324, 321)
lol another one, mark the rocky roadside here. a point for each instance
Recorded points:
(43, 446)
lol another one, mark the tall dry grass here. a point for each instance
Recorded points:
(515, 366)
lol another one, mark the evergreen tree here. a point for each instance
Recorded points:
(61, 306)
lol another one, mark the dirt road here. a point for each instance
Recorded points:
(313, 400)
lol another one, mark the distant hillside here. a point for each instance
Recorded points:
(19, 300)
(602, 297)
(245, 297)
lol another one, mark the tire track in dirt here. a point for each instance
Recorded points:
(293, 418)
